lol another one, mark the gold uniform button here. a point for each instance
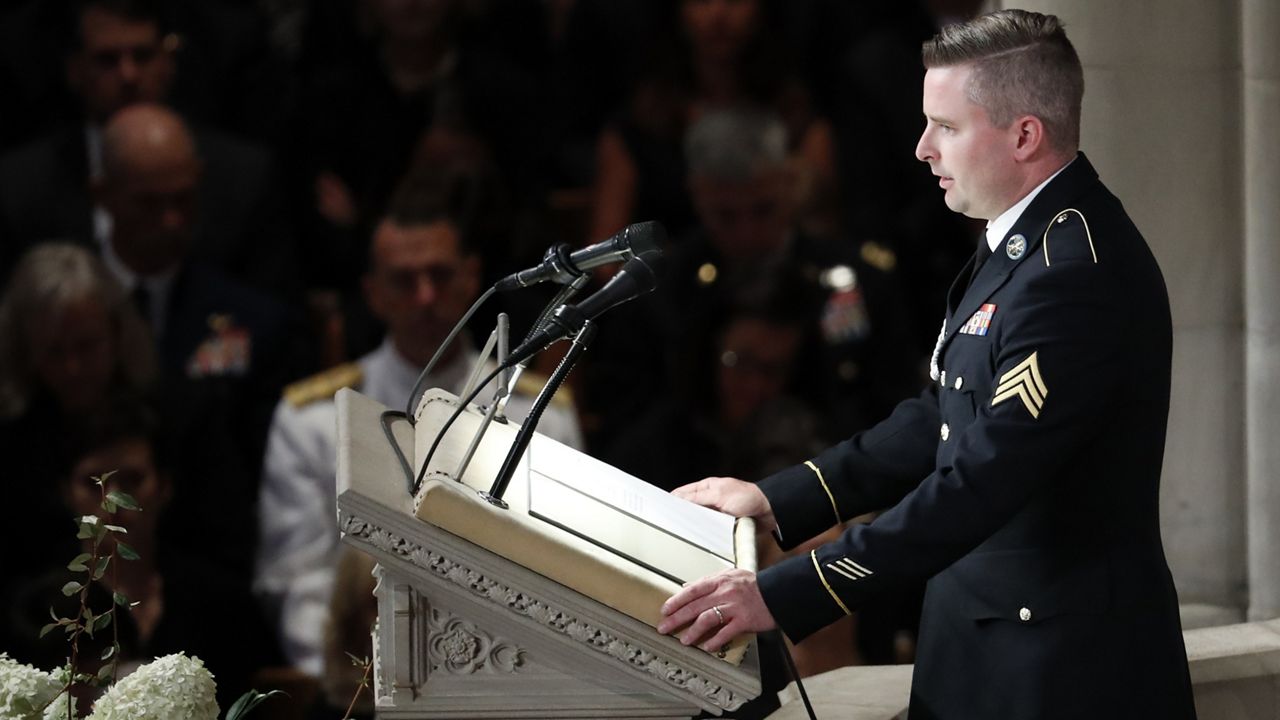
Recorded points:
(945, 432)
(1024, 615)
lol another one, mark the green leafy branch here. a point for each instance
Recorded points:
(367, 665)
(94, 565)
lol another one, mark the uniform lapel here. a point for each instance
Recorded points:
(1055, 196)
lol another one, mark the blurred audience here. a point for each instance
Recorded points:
(69, 341)
(224, 73)
(403, 67)
(748, 238)
(224, 349)
(422, 277)
(122, 54)
(712, 54)
(151, 248)
(888, 196)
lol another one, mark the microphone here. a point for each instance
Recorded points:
(563, 266)
(634, 279)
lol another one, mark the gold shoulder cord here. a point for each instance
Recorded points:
(1062, 216)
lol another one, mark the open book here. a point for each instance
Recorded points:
(573, 518)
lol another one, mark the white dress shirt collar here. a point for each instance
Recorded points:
(998, 228)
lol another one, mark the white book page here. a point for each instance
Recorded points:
(708, 529)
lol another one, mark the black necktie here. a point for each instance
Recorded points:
(979, 257)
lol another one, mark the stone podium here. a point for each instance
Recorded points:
(486, 612)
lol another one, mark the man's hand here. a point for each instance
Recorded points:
(732, 497)
(720, 608)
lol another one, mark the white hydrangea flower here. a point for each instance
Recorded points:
(58, 710)
(24, 690)
(174, 687)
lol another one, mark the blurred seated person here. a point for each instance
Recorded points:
(223, 74)
(184, 605)
(385, 73)
(886, 193)
(225, 350)
(121, 53)
(742, 416)
(713, 54)
(69, 340)
(423, 275)
(741, 182)
(745, 370)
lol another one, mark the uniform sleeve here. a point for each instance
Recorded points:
(1058, 362)
(871, 471)
(298, 523)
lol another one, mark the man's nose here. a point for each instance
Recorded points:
(128, 68)
(924, 147)
(424, 291)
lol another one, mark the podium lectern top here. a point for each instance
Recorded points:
(589, 581)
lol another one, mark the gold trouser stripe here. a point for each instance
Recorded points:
(813, 555)
(826, 489)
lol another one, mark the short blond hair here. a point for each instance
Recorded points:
(55, 275)
(1023, 64)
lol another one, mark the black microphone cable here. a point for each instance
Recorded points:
(416, 392)
(795, 674)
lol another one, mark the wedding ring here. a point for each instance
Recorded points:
(719, 614)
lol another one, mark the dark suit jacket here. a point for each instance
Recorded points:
(240, 225)
(225, 354)
(1024, 484)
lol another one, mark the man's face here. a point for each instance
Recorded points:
(135, 474)
(719, 29)
(420, 284)
(744, 220)
(121, 61)
(153, 211)
(972, 157)
(409, 19)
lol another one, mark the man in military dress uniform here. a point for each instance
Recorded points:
(1024, 482)
(421, 280)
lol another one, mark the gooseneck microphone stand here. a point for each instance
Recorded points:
(580, 343)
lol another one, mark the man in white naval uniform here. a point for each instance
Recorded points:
(420, 281)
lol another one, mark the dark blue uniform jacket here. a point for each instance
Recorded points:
(1023, 484)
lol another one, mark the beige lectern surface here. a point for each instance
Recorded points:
(613, 538)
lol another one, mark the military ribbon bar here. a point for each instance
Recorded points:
(980, 321)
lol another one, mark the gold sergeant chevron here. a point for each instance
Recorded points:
(1023, 382)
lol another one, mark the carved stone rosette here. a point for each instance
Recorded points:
(459, 647)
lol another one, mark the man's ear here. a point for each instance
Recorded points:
(1028, 137)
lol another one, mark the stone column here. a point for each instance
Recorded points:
(1260, 23)
(1162, 125)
